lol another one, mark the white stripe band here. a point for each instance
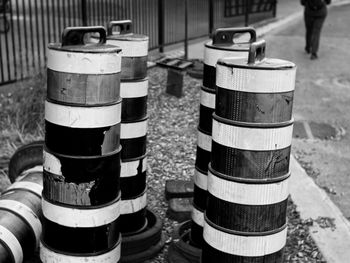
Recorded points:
(200, 180)
(52, 164)
(83, 117)
(131, 206)
(49, 256)
(75, 217)
(129, 169)
(247, 194)
(204, 141)
(208, 99)
(13, 244)
(33, 187)
(246, 246)
(256, 139)
(211, 55)
(255, 81)
(197, 216)
(26, 212)
(83, 63)
(134, 89)
(131, 48)
(133, 129)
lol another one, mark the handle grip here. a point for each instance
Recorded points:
(75, 35)
(226, 35)
(125, 27)
(257, 51)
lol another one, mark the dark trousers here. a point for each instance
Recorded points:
(313, 26)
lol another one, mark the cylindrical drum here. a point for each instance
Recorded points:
(20, 213)
(222, 45)
(81, 195)
(134, 49)
(245, 217)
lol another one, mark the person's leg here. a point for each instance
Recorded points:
(316, 34)
(308, 34)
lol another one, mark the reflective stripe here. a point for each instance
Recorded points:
(207, 99)
(49, 256)
(26, 212)
(52, 164)
(204, 141)
(83, 117)
(134, 89)
(247, 246)
(211, 55)
(133, 129)
(32, 187)
(197, 216)
(129, 169)
(131, 206)
(255, 81)
(200, 180)
(256, 139)
(247, 194)
(131, 48)
(12, 243)
(76, 217)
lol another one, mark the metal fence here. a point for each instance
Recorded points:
(27, 26)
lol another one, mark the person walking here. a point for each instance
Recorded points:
(315, 14)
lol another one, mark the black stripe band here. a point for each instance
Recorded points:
(202, 159)
(210, 255)
(209, 77)
(199, 198)
(82, 89)
(196, 234)
(250, 164)
(76, 240)
(82, 141)
(133, 147)
(246, 218)
(133, 222)
(5, 253)
(254, 107)
(134, 109)
(134, 68)
(206, 119)
(133, 186)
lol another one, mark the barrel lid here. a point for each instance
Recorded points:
(73, 40)
(225, 39)
(257, 59)
(124, 32)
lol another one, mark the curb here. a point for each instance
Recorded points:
(313, 203)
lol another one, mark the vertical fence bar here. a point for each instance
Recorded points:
(44, 36)
(31, 34)
(186, 30)
(247, 8)
(14, 53)
(211, 16)
(25, 36)
(37, 33)
(7, 50)
(274, 8)
(19, 41)
(161, 20)
(84, 12)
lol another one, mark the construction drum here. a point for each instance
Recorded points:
(222, 45)
(81, 199)
(245, 218)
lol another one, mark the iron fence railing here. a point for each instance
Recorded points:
(26, 27)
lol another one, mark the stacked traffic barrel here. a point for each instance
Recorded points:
(245, 218)
(222, 45)
(81, 193)
(20, 212)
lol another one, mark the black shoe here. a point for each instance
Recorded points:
(307, 50)
(313, 56)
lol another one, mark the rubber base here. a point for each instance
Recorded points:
(182, 251)
(180, 209)
(178, 189)
(196, 71)
(144, 245)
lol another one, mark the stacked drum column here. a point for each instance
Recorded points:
(221, 46)
(81, 194)
(245, 219)
(133, 90)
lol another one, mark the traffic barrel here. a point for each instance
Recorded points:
(81, 195)
(222, 45)
(20, 207)
(245, 218)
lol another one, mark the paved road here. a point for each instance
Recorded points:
(322, 95)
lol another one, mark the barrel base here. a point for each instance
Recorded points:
(183, 251)
(146, 244)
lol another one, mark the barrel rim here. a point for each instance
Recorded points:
(225, 62)
(208, 90)
(134, 80)
(203, 131)
(144, 119)
(248, 180)
(138, 158)
(239, 47)
(241, 233)
(104, 48)
(200, 170)
(257, 125)
(73, 104)
(128, 37)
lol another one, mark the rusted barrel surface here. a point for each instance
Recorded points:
(222, 45)
(134, 49)
(245, 218)
(20, 213)
(81, 197)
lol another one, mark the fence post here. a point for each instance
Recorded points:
(247, 9)
(161, 20)
(274, 8)
(211, 16)
(186, 30)
(84, 12)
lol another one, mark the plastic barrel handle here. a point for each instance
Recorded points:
(257, 51)
(75, 35)
(125, 27)
(225, 36)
